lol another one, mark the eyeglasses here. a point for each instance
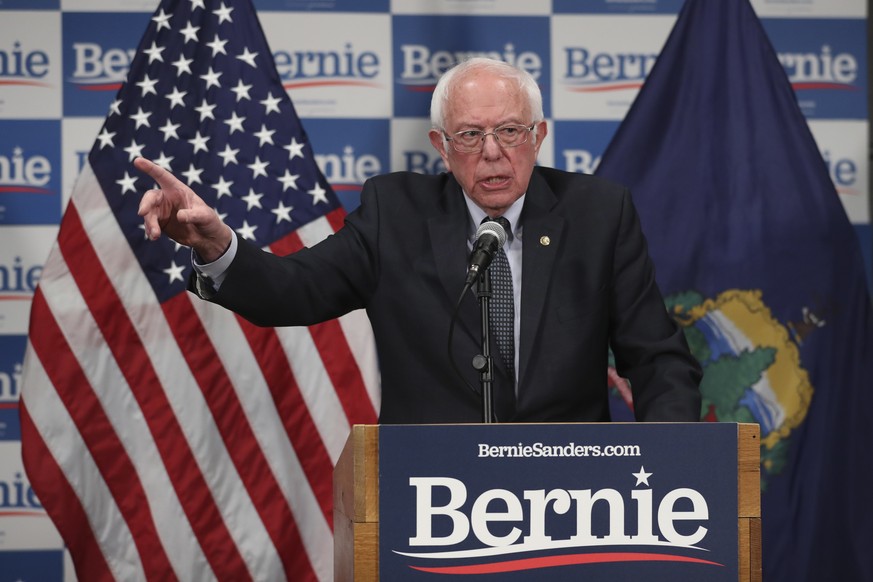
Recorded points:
(471, 141)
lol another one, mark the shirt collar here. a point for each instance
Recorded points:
(512, 214)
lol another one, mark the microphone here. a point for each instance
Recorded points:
(489, 238)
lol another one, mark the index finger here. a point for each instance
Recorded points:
(164, 178)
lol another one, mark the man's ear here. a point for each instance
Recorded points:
(439, 144)
(542, 132)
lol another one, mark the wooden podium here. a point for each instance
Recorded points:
(356, 504)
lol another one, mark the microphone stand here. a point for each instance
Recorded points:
(482, 362)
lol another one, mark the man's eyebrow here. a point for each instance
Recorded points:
(479, 126)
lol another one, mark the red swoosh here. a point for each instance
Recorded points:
(102, 87)
(28, 189)
(306, 85)
(615, 87)
(25, 83)
(21, 514)
(421, 88)
(566, 560)
(821, 85)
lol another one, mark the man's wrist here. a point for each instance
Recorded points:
(213, 249)
(217, 269)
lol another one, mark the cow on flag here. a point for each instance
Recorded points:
(761, 266)
(166, 437)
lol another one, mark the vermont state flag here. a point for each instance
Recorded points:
(760, 265)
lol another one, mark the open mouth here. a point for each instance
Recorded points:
(495, 181)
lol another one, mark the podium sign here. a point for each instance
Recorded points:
(559, 502)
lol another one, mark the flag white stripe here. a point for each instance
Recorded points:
(242, 368)
(80, 330)
(179, 386)
(355, 325)
(316, 388)
(359, 336)
(61, 436)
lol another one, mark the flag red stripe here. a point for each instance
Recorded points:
(130, 354)
(330, 341)
(336, 218)
(287, 245)
(61, 503)
(341, 367)
(119, 473)
(239, 439)
(298, 423)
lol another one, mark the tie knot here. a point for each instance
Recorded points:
(502, 221)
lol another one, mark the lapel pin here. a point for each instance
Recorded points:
(545, 241)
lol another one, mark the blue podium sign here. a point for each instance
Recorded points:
(559, 502)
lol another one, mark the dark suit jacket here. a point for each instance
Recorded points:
(586, 281)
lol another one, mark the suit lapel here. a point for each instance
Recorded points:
(448, 239)
(542, 234)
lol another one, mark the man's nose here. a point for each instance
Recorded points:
(491, 148)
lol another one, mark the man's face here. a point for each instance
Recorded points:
(495, 177)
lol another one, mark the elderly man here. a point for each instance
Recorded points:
(576, 262)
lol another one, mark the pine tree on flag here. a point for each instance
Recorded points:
(760, 265)
(166, 437)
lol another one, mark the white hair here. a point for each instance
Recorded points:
(522, 79)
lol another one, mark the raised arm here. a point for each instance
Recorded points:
(182, 215)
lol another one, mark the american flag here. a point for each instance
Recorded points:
(166, 437)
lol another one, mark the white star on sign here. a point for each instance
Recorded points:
(642, 477)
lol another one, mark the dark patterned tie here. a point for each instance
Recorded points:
(502, 304)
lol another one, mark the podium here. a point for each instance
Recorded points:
(670, 501)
